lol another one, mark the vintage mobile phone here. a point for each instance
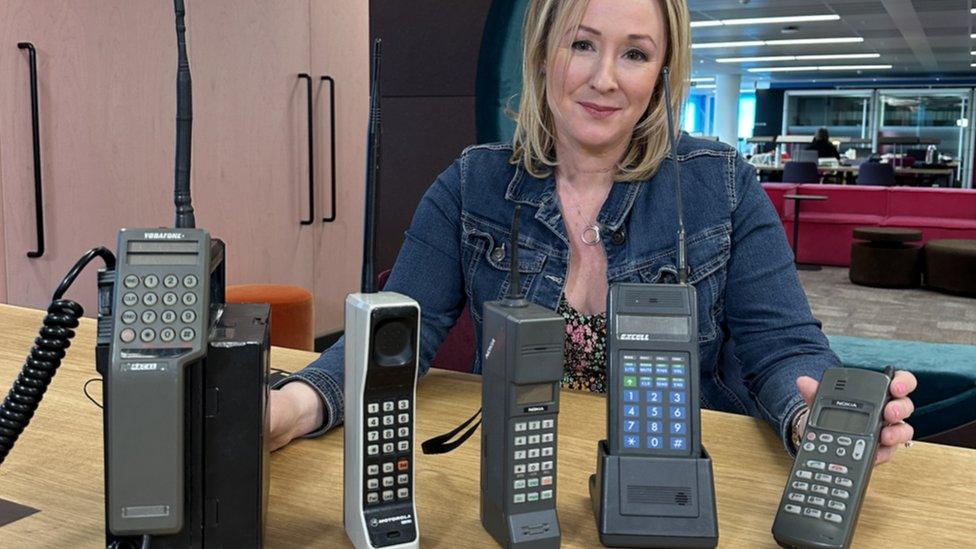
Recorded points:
(382, 343)
(523, 366)
(823, 495)
(654, 485)
(653, 407)
(160, 327)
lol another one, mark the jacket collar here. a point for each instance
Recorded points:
(541, 193)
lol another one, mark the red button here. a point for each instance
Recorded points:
(402, 465)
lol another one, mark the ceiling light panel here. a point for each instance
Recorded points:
(765, 20)
(792, 42)
(776, 58)
(821, 68)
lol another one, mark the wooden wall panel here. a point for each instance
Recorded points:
(340, 49)
(106, 81)
(250, 153)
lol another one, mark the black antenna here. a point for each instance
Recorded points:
(514, 297)
(184, 123)
(368, 282)
(682, 258)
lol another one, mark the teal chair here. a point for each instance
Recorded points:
(945, 401)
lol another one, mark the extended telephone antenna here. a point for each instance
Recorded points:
(184, 123)
(368, 282)
(514, 297)
(682, 256)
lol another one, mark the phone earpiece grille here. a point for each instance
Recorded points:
(840, 384)
(664, 299)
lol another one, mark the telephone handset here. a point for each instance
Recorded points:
(381, 361)
(160, 326)
(823, 495)
(652, 345)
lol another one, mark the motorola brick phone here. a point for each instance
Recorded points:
(523, 365)
(826, 487)
(653, 369)
(382, 343)
(160, 327)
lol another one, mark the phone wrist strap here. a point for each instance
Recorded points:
(439, 445)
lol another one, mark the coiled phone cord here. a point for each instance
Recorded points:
(45, 356)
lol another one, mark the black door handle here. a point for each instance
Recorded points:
(36, 129)
(311, 154)
(332, 146)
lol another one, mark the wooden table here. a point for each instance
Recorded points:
(923, 499)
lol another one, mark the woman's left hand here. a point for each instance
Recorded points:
(897, 432)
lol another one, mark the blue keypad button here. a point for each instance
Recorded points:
(655, 397)
(678, 443)
(654, 427)
(661, 370)
(679, 428)
(677, 397)
(677, 383)
(631, 442)
(631, 411)
(631, 426)
(655, 411)
(646, 370)
(631, 396)
(630, 381)
(679, 412)
(630, 369)
(678, 370)
(646, 382)
(661, 382)
(655, 442)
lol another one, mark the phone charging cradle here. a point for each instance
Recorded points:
(652, 501)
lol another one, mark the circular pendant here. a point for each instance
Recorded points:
(591, 235)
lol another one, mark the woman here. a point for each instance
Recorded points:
(822, 144)
(587, 165)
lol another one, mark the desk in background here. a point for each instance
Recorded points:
(850, 172)
(923, 499)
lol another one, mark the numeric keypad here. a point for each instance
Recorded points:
(388, 451)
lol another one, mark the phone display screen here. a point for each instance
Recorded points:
(672, 328)
(532, 394)
(848, 421)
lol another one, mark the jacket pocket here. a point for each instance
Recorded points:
(708, 257)
(487, 257)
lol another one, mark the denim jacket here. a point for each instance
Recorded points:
(756, 332)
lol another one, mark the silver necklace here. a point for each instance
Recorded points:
(591, 229)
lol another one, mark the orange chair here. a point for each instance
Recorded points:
(292, 317)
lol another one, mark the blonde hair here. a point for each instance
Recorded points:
(534, 144)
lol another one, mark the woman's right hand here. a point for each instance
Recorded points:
(293, 411)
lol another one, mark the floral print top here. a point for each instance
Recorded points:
(585, 366)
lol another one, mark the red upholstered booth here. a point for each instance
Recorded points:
(826, 227)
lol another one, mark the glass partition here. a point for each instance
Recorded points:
(911, 120)
(843, 113)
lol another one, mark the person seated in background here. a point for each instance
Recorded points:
(821, 143)
(591, 168)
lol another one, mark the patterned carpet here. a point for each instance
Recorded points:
(921, 315)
